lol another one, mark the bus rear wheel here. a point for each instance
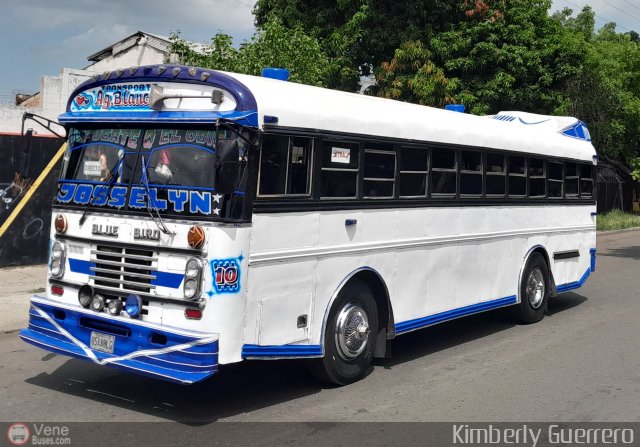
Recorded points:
(350, 336)
(534, 291)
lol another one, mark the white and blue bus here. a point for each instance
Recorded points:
(205, 218)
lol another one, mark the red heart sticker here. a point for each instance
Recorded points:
(80, 100)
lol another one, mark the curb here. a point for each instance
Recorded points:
(625, 230)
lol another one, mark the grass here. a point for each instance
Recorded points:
(616, 220)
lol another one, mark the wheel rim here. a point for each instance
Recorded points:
(352, 331)
(535, 288)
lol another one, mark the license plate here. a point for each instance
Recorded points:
(102, 342)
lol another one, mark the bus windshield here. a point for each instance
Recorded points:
(165, 164)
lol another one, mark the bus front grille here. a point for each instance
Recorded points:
(126, 269)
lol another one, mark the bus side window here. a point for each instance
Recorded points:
(285, 165)
(586, 181)
(495, 175)
(571, 180)
(379, 172)
(517, 176)
(554, 179)
(470, 174)
(443, 172)
(536, 178)
(339, 174)
(414, 170)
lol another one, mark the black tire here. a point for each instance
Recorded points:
(533, 301)
(340, 365)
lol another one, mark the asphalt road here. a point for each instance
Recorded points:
(581, 363)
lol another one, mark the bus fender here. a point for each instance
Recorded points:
(378, 287)
(543, 251)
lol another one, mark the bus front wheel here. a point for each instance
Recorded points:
(534, 291)
(350, 336)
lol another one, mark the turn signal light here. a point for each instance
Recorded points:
(60, 224)
(196, 237)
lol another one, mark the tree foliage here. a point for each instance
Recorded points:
(490, 55)
(272, 46)
(412, 76)
(360, 34)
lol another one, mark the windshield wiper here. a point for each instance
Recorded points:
(145, 181)
(105, 188)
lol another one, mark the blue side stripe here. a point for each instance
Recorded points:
(166, 279)
(80, 266)
(163, 279)
(592, 252)
(281, 351)
(418, 323)
(575, 284)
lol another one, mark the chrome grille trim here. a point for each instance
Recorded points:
(119, 268)
(126, 255)
(136, 275)
(123, 282)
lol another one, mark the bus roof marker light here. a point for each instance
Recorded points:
(132, 71)
(281, 74)
(204, 76)
(133, 306)
(455, 108)
(192, 71)
(161, 69)
(119, 72)
(176, 71)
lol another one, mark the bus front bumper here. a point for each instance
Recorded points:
(171, 354)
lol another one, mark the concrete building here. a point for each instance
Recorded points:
(139, 48)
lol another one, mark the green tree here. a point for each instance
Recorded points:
(605, 93)
(272, 46)
(412, 76)
(508, 55)
(357, 35)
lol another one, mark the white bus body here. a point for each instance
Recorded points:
(352, 220)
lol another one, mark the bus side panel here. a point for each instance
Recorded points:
(225, 289)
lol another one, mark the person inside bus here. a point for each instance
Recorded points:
(160, 162)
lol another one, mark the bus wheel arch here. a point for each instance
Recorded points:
(543, 251)
(535, 274)
(386, 324)
(365, 281)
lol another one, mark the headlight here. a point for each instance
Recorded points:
(193, 268)
(58, 256)
(97, 303)
(114, 307)
(190, 288)
(193, 277)
(84, 296)
(57, 251)
(56, 268)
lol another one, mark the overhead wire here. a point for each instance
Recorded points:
(598, 16)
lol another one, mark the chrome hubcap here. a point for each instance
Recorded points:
(535, 288)
(352, 331)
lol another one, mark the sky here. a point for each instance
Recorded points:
(38, 37)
